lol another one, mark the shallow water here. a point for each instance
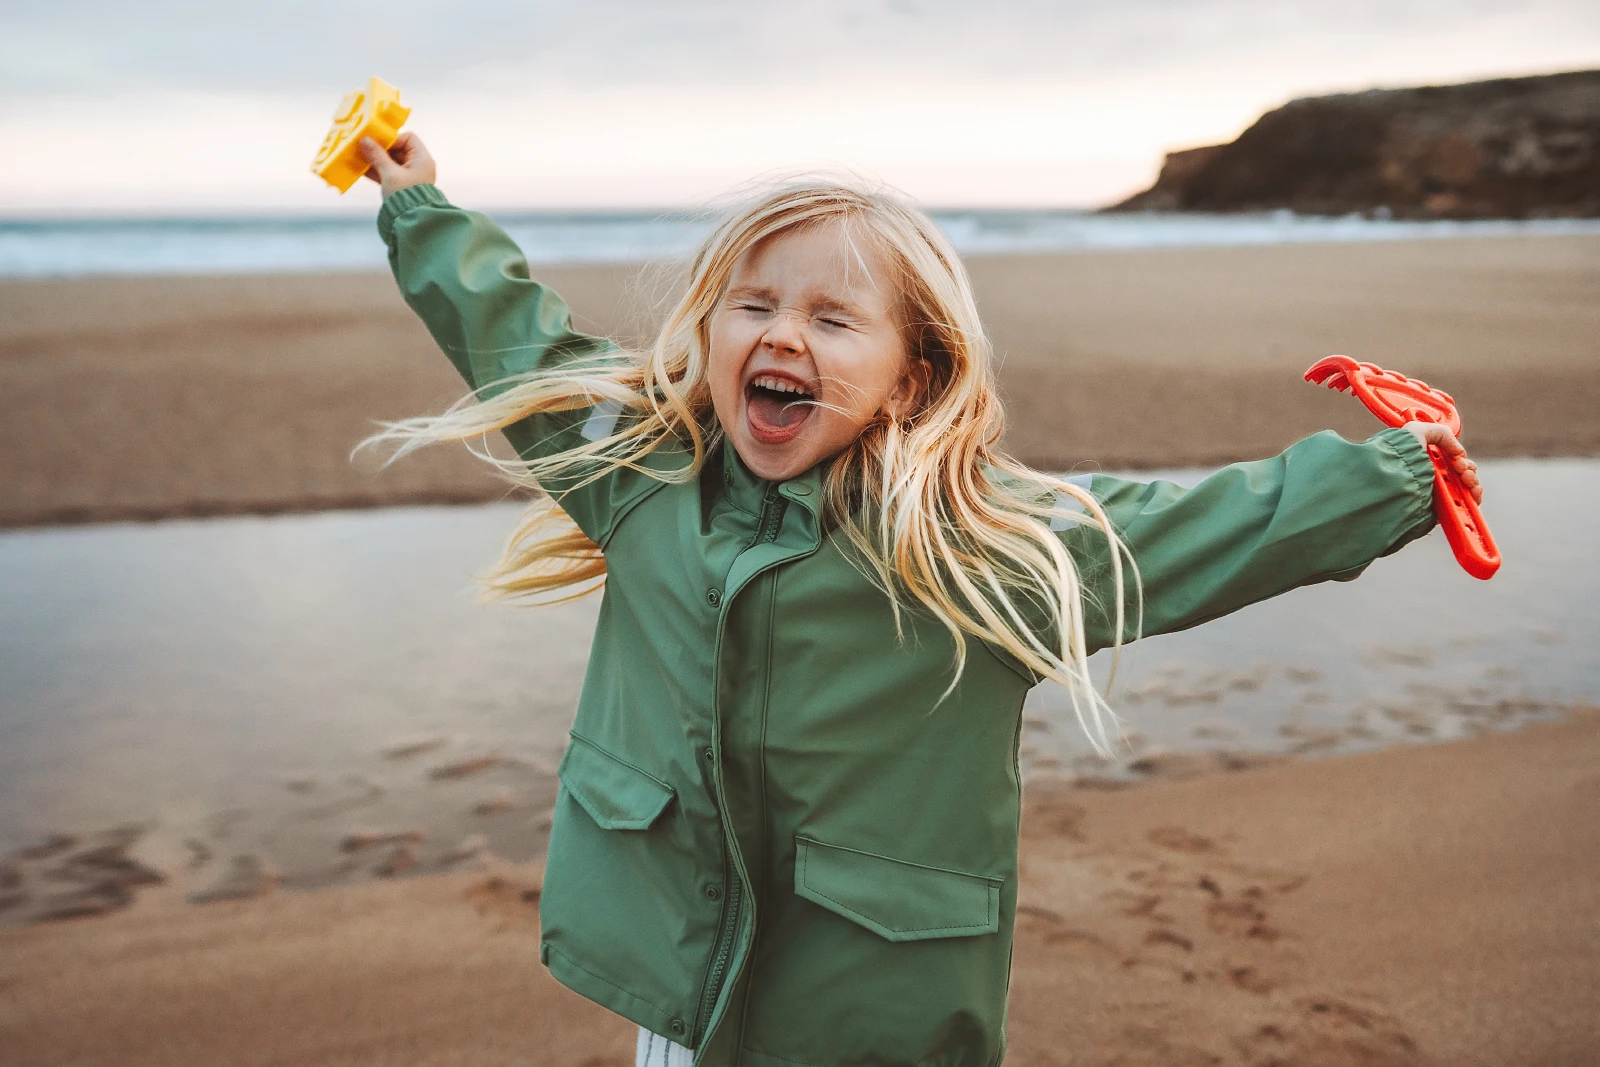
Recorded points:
(56, 247)
(1414, 649)
(243, 684)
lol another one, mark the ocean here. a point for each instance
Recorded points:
(32, 248)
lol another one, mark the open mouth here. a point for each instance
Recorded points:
(777, 407)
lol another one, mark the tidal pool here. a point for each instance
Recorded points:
(318, 698)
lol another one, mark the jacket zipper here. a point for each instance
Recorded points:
(767, 526)
(733, 897)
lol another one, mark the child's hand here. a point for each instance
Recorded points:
(404, 165)
(1431, 433)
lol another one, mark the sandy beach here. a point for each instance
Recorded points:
(1374, 910)
(139, 397)
(1434, 904)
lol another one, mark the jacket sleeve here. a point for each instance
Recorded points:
(1322, 510)
(469, 283)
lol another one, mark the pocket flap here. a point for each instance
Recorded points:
(894, 899)
(618, 795)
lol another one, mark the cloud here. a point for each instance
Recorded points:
(609, 102)
(300, 45)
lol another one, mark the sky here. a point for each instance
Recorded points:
(188, 107)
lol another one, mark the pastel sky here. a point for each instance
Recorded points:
(183, 106)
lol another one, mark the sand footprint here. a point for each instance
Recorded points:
(1180, 840)
(1325, 1030)
(1240, 918)
(507, 901)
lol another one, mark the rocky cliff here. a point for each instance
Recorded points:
(1508, 148)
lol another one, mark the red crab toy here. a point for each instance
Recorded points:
(1397, 400)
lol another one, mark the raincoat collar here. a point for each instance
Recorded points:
(746, 490)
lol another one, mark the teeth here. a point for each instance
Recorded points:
(778, 385)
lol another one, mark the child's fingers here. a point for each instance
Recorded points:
(407, 147)
(1456, 456)
(1452, 452)
(1447, 443)
(382, 162)
(1434, 435)
(409, 151)
(1468, 472)
(1465, 469)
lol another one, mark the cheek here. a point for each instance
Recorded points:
(872, 374)
(732, 338)
(717, 332)
(722, 361)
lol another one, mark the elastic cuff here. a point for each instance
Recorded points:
(1414, 454)
(397, 204)
(1411, 450)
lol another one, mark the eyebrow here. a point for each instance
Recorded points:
(841, 307)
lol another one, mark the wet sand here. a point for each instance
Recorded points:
(150, 397)
(1378, 909)
(1432, 905)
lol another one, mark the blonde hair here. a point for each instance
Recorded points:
(939, 517)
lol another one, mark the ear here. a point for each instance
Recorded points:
(910, 390)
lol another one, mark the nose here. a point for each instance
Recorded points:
(783, 333)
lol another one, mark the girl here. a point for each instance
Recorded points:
(787, 826)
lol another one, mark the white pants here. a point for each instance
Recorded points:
(655, 1051)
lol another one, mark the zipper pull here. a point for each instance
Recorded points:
(772, 507)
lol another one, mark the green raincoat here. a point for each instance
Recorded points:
(772, 842)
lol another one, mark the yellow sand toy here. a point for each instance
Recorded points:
(373, 112)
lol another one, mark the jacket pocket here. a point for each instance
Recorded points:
(897, 900)
(616, 794)
(621, 890)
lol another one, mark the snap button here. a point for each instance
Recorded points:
(677, 1027)
(713, 597)
(708, 754)
(800, 490)
(713, 892)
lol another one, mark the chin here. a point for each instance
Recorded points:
(774, 462)
(779, 467)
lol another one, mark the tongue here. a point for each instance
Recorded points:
(772, 410)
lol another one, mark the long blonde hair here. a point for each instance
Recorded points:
(939, 517)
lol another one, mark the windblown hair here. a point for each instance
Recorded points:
(940, 518)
